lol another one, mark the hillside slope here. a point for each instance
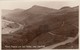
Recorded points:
(61, 27)
(31, 15)
(48, 29)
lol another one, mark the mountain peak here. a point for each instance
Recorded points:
(40, 10)
(40, 7)
(36, 6)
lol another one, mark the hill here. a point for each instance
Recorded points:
(31, 15)
(7, 12)
(59, 24)
(48, 29)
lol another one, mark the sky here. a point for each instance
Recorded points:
(28, 4)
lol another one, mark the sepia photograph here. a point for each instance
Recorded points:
(39, 25)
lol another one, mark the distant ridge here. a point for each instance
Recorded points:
(30, 15)
(66, 7)
(40, 10)
(42, 7)
(6, 11)
(36, 13)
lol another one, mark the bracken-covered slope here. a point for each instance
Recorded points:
(60, 26)
(48, 29)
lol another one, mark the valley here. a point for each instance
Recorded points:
(10, 27)
(49, 27)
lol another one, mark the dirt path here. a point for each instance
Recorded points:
(69, 40)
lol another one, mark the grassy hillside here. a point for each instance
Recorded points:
(62, 24)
